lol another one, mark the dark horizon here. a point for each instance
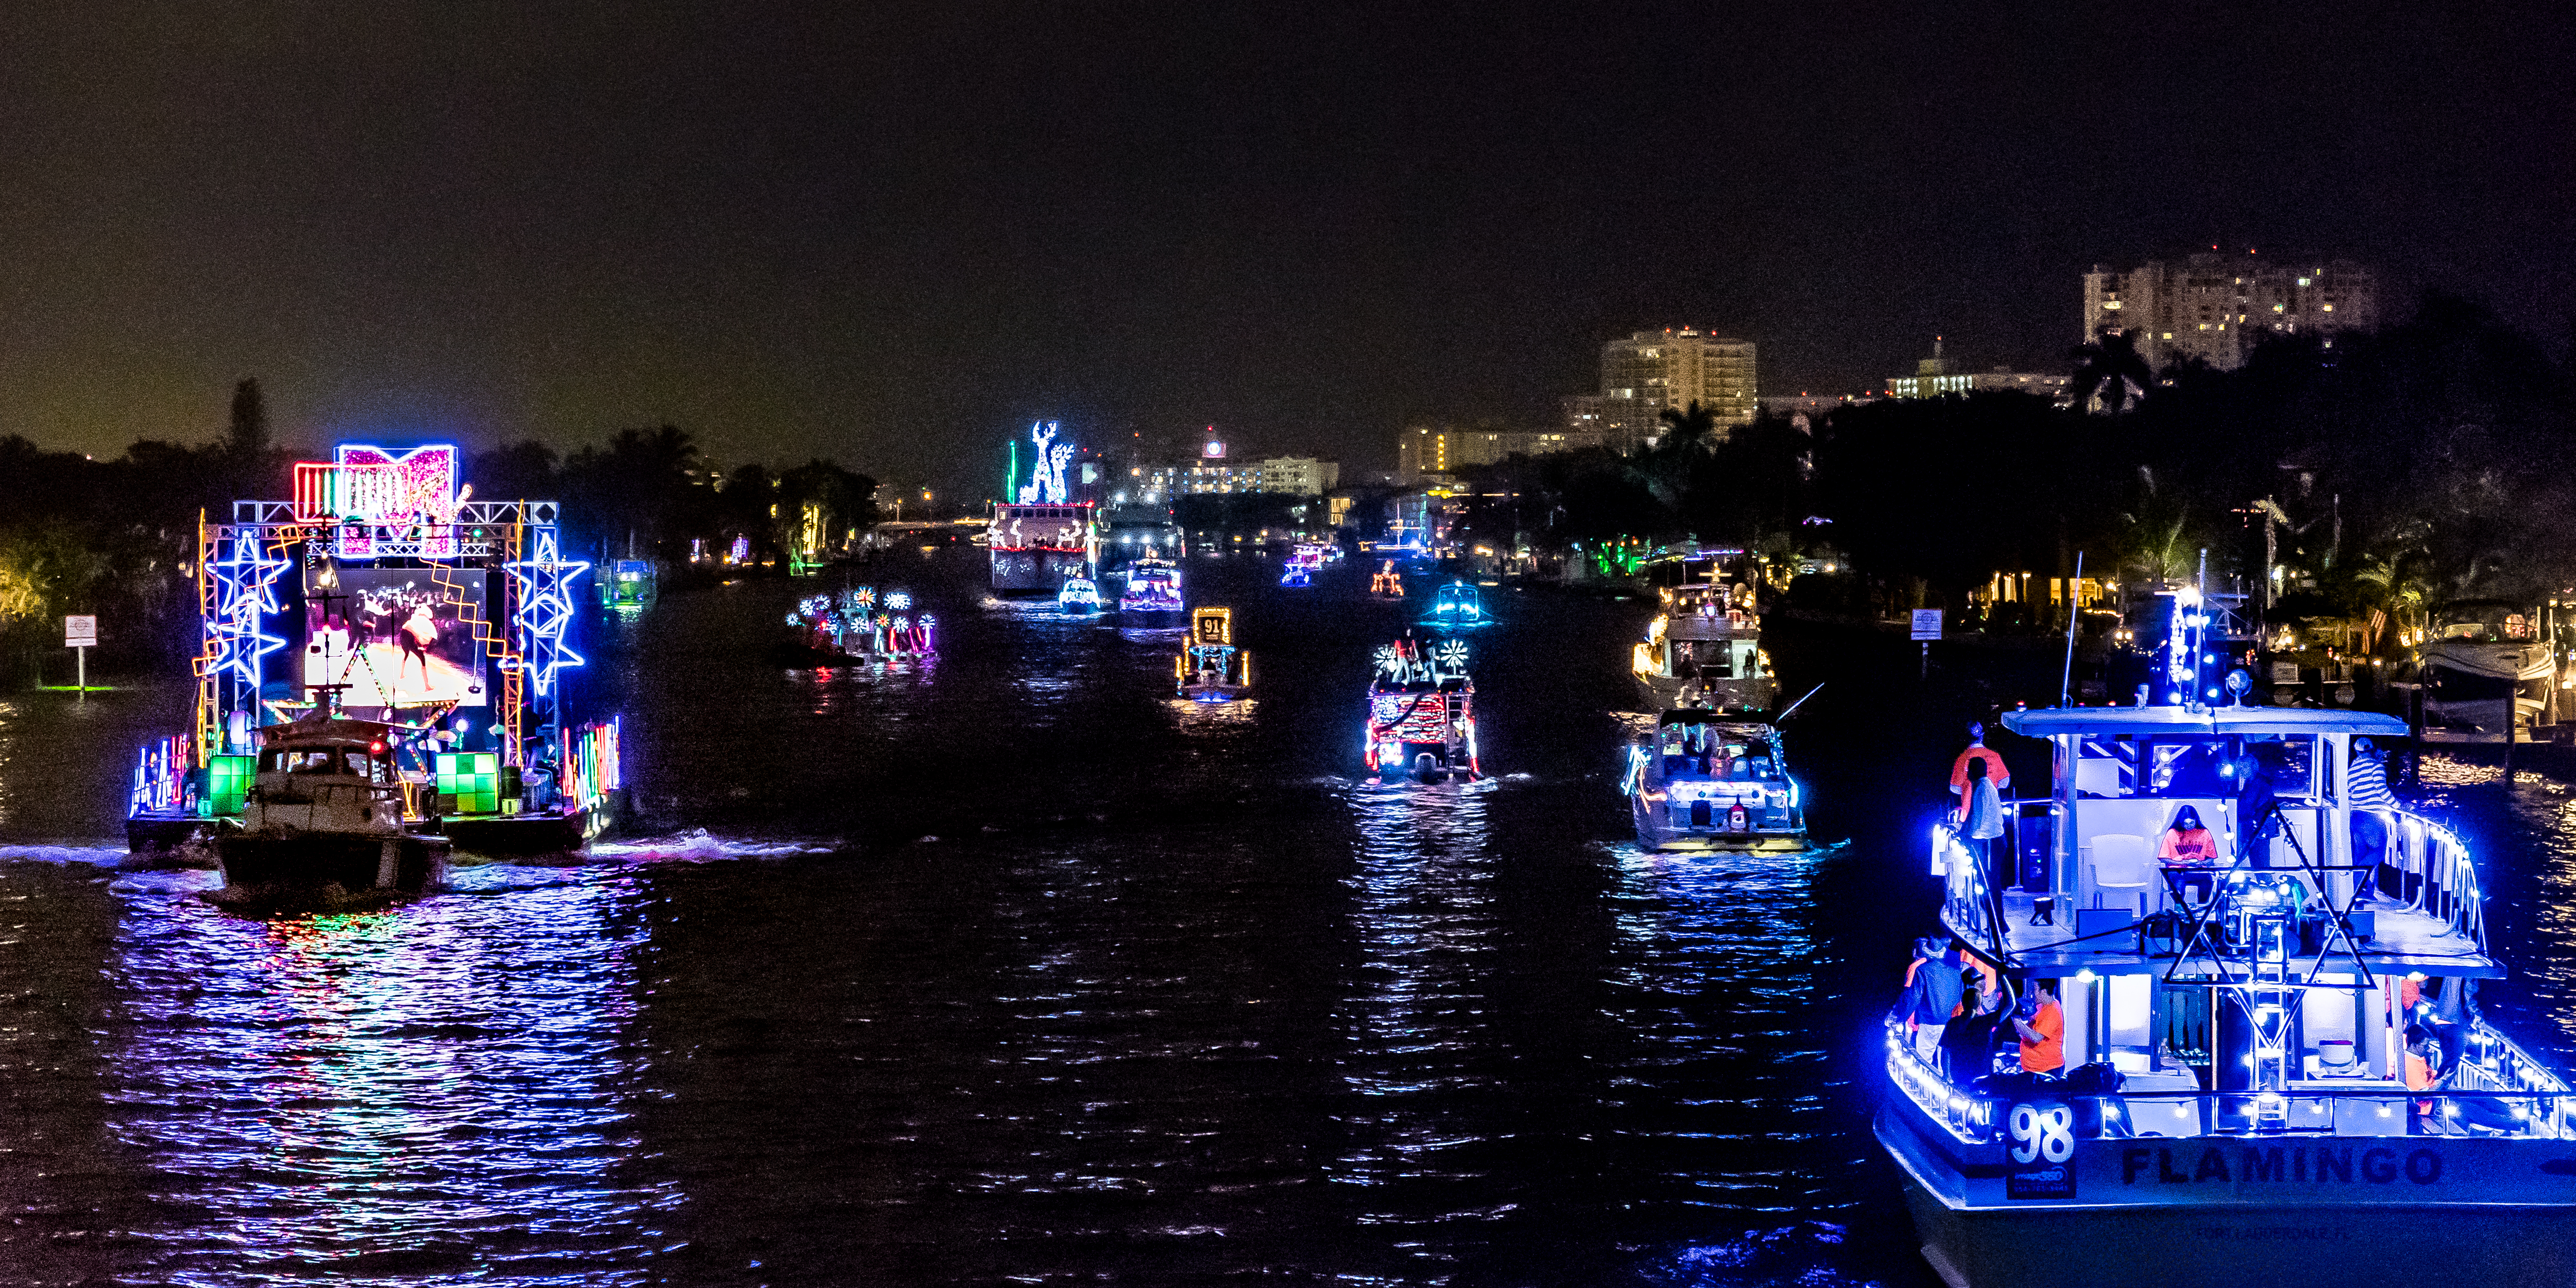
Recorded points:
(895, 239)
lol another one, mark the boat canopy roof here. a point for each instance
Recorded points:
(2056, 721)
(308, 732)
(1703, 715)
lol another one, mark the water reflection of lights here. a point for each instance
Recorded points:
(435, 1087)
(1415, 1014)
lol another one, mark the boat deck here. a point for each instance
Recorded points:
(2402, 940)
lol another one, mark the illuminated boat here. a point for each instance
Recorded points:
(629, 585)
(1456, 607)
(1304, 560)
(1153, 590)
(1699, 781)
(856, 625)
(1210, 668)
(1387, 582)
(1704, 650)
(1421, 714)
(1081, 595)
(1043, 538)
(326, 808)
(383, 593)
(2279, 1073)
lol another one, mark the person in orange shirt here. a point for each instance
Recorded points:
(1977, 750)
(2041, 1022)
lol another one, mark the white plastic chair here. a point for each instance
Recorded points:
(2121, 864)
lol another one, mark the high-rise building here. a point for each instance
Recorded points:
(1650, 371)
(2216, 307)
(1422, 451)
(1213, 475)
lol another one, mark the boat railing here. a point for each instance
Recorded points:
(2496, 1090)
(2435, 874)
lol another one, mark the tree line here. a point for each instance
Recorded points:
(2394, 472)
(118, 537)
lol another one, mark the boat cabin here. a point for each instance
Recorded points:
(325, 775)
(1699, 778)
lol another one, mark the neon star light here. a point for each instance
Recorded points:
(544, 582)
(245, 592)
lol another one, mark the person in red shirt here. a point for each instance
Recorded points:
(2190, 849)
(1977, 750)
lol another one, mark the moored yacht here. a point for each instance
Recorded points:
(2274, 1068)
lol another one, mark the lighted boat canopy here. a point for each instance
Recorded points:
(2264, 721)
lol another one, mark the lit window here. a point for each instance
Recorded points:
(2303, 281)
(2329, 308)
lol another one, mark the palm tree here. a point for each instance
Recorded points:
(1696, 427)
(2111, 368)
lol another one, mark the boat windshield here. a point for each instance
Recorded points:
(2484, 624)
(2163, 766)
(1723, 754)
(327, 760)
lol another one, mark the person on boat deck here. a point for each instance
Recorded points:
(2366, 790)
(2257, 802)
(1933, 989)
(1976, 752)
(2188, 846)
(1968, 1040)
(1983, 819)
(2041, 1024)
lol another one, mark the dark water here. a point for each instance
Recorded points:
(1008, 969)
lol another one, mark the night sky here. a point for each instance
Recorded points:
(895, 233)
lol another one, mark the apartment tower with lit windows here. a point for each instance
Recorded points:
(2216, 307)
(1650, 371)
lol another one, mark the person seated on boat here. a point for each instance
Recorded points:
(2040, 1023)
(2190, 852)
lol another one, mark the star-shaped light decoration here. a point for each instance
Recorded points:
(1452, 657)
(544, 582)
(245, 592)
(1390, 661)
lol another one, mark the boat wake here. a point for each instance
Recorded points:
(698, 846)
(104, 854)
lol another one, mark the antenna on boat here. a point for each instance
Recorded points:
(2074, 602)
(1793, 707)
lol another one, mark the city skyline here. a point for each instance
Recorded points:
(779, 231)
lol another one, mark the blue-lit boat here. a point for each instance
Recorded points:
(2275, 1068)
(1456, 607)
(1702, 781)
(1210, 666)
(1153, 591)
(1080, 596)
(1422, 714)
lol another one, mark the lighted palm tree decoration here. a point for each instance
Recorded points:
(2112, 369)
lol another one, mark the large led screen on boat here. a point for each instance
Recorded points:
(399, 638)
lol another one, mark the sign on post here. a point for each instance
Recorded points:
(80, 635)
(1927, 624)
